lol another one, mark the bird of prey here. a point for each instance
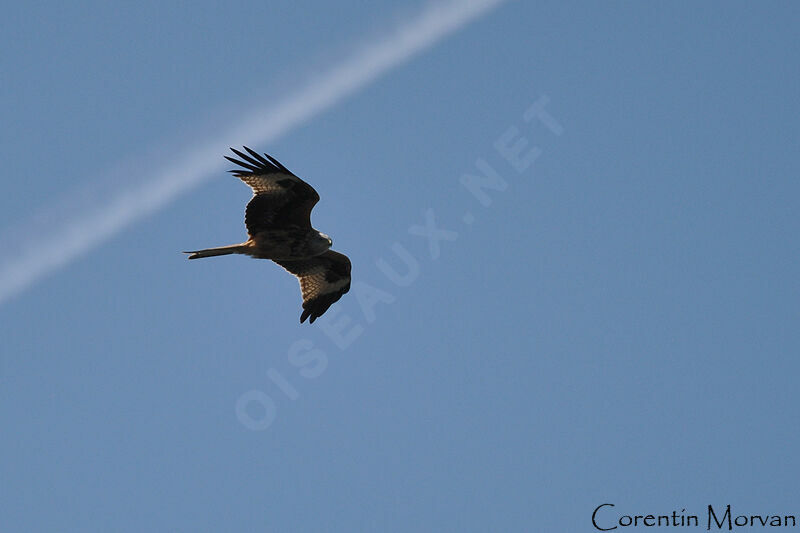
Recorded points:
(278, 221)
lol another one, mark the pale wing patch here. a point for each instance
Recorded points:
(313, 284)
(267, 183)
(323, 280)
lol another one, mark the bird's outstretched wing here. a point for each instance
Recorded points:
(280, 199)
(323, 280)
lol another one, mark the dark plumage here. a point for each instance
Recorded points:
(278, 222)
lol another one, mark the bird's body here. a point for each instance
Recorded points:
(278, 220)
(288, 245)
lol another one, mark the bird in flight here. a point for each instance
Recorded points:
(278, 221)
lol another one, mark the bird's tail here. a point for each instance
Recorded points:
(211, 252)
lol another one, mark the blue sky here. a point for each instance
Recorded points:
(618, 325)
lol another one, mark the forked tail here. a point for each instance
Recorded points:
(211, 252)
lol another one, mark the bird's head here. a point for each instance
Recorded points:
(328, 239)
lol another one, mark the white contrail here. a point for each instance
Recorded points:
(56, 247)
